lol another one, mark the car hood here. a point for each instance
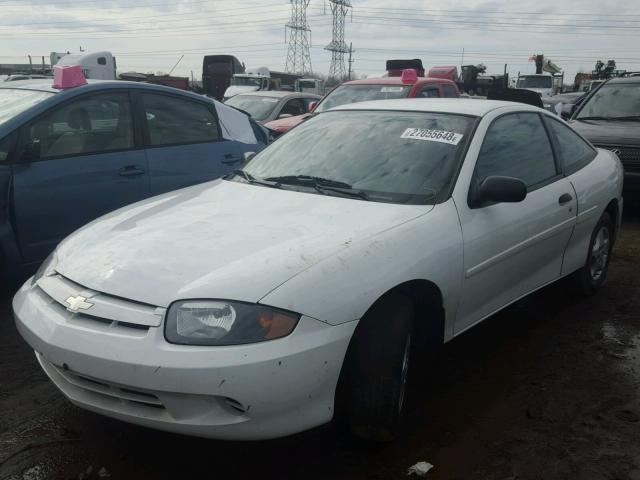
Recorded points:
(285, 124)
(221, 239)
(609, 132)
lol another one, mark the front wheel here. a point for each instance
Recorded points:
(592, 275)
(380, 368)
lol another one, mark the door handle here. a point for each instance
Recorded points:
(130, 171)
(230, 159)
(564, 199)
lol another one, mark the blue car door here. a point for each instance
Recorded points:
(75, 163)
(184, 142)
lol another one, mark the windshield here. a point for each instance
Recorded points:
(535, 82)
(15, 101)
(396, 157)
(246, 81)
(219, 68)
(613, 100)
(361, 93)
(258, 107)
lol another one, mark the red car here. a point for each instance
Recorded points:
(408, 85)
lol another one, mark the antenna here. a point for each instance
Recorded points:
(298, 56)
(338, 47)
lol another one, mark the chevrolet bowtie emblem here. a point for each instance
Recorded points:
(78, 303)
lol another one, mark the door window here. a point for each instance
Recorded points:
(574, 151)
(449, 91)
(293, 107)
(175, 121)
(431, 91)
(95, 124)
(5, 148)
(517, 145)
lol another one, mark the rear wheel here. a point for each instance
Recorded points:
(591, 277)
(380, 368)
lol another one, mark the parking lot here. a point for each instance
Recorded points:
(549, 388)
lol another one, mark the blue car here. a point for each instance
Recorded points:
(69, 156)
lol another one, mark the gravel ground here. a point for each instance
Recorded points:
(547, 389)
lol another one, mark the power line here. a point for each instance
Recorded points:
(172, 19)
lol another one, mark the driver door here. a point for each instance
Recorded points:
(511, 249)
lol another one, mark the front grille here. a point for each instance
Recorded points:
(104, 310)
(629, 156)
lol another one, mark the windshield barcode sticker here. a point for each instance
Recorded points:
(441, 136)
(391, 89)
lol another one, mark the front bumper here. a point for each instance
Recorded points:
(248, 392)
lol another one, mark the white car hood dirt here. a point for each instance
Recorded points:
(221, 239)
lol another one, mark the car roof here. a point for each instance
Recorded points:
(462, 106)
(395, 81)
(277, 94)
(45, 85)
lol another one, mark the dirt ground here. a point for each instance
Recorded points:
(547, 389)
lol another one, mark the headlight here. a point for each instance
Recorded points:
(48, 267)
(222, 322)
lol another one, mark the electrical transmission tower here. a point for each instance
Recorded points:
(338, 47)
(298, 57)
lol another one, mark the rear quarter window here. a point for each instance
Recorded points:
(574, 152)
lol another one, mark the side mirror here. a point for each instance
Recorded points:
(567, 110)
(248, 156)
(500, 190)
(312, 106)
(31, 151)
(285, 115)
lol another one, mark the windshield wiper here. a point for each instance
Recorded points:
(322, 185)
(308, 179)
(253, 180)
(627, 117)
(595, 118)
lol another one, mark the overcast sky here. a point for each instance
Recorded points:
(151, 35)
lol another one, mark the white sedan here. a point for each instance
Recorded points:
(242, 308)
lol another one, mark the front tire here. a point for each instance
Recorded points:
(593, 274)
(379, 369)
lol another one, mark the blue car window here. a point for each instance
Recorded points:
(5, 147)
(95, 124)
(174, 121)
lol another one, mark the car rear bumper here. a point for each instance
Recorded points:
(249, 392)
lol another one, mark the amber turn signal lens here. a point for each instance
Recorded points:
(276, 325)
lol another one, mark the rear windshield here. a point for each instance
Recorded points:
(15, 101)
(259, 107)
(535, 82)
(362, 93)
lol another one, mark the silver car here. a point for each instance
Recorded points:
(272, 105)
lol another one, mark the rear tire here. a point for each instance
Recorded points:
(588, 280)
(379, 368)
